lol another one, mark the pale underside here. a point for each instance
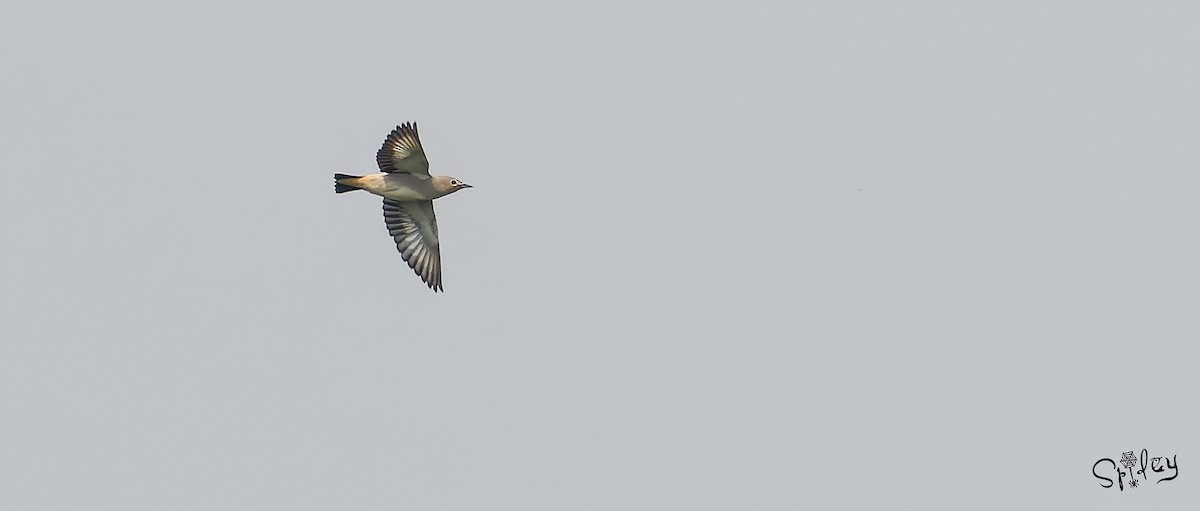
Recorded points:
(401, 187)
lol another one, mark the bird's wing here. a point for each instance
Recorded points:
(401, 152)
(414, 227)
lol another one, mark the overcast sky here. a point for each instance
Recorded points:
(831, 255)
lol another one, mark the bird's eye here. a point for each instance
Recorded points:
(454, 182)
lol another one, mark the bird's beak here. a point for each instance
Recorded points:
(464, 185)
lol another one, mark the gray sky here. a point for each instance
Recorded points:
(835, 255)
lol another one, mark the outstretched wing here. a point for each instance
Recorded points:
(414, 227)
(401, 152)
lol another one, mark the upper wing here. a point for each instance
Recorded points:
(401, 152)
(414, 227)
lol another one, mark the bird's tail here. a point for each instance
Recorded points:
(340, 187)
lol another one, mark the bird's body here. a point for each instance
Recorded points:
(401, 187)
(408, 192)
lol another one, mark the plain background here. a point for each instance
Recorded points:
(825, 255)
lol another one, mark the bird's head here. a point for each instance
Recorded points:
(448, 185)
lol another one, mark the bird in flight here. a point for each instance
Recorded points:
(408, 192)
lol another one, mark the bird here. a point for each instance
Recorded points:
(408, 192)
